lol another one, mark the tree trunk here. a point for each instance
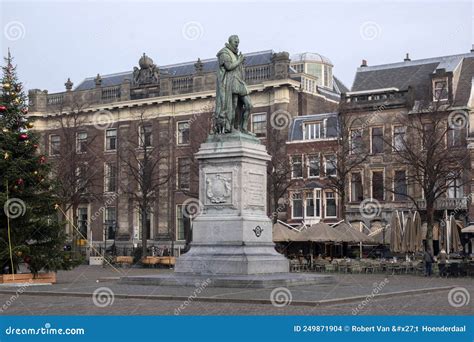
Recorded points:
(429, 228)
(144, 233)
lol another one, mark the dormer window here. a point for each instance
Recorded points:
(313, 130)
(440, 89)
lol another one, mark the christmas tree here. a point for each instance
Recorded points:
(30, 232)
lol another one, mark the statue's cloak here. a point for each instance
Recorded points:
(229, 82)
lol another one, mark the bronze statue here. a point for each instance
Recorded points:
(233, 102)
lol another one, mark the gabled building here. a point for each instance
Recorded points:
(379, 97)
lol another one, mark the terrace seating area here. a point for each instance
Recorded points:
(454, 268)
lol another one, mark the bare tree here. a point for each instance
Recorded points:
(433, 153)
(349, 154)
(278, 169)
(143, 164)
(73, 156)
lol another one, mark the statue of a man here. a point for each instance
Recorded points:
(233, 103)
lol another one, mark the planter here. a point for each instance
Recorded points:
(96, 261)
(40, 278)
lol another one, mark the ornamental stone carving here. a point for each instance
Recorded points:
(219, 188)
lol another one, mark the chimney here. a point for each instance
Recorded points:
(472, 48)
(364, 63)
(407, 58)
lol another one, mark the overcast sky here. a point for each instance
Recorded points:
(54, 40)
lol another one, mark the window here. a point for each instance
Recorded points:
(455, 186)
(147, 224)
(81, 142)
(183, 132)
(357, 194)
(330, 165)
(299, 68)
(428, 133)
(145, 136)
(297, 205)
(377, 140)
(455, 136)
(110, 223)
(331, 207)
(399, 138)
(183, 223)
(400, 185)
(110, 177)
(296, 167)
(259, 124)
(81, 178)
(111, 139)
(313, 166)
(356, 141)
(82, 222)
(313, 131)
(318, 203)
(54, 145)
(310, 205)
(377, 185)
(184, 168)
(440, 90)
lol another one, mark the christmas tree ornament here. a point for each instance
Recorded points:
(20, 181)
(23, 136)
(30, 125)
(42, 159)
(6, 155)
(5, 130)
(35, 173)
(6, 85)
(3, 108)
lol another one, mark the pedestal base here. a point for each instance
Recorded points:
(233, 281)
(232, 259)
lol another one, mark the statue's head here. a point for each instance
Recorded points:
(234, 41)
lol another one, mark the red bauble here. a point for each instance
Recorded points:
(23, 136)
(20, 181)
(35, 145)
(42, 159)
(3, 108)
(24, 110)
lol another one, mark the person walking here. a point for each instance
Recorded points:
(428, 257)
(442, 257)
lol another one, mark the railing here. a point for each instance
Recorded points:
(258, 73)
(55, 99)
(446, 203)
(182, 84)
(111, 93)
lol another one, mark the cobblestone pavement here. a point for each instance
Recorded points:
(84, 280)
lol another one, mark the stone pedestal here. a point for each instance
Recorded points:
(233, 234)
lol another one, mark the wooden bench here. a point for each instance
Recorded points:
(124, 260)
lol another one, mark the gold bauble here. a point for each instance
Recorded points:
(6, 85)
(30, 125)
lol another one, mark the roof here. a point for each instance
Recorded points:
(295, 132)
(339, 87)
(181, 69)
(417, 74)
(310, 57)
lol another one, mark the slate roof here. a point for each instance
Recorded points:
(295, 132)
(181, 69)
(417, 74)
